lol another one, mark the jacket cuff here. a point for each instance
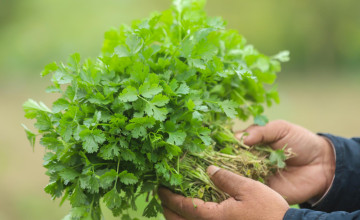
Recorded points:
(303, 214)
(293, 214)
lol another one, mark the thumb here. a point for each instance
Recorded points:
(270, 133)
(234, 185)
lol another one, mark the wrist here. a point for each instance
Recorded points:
(328, 166)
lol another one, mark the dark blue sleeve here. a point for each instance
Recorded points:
(343, 199)
(307, 214)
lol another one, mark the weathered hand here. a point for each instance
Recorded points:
(250, 199)
(308, 174)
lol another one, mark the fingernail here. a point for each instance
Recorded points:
(240, 135)
(211, 170)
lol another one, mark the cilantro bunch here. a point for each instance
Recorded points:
(154, 108)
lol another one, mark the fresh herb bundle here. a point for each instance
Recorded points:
(155, 108)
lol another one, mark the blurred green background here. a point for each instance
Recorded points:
(319, 88)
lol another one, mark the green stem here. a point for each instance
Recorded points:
(117, 171)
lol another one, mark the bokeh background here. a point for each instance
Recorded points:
(319, 88)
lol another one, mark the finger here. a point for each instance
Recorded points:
(170, 215)
(189, 208)
(234, 185)
(271, 132)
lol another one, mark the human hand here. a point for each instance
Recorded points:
(307, 175)
(249, 200)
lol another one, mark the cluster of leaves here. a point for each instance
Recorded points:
(126, 117)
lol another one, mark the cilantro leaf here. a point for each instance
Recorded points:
(190, 105)
(107, 179)
(129, 94)
(90, 183)
(78, 212)
(78, 197)
(204, 134)
(260, 120)
(30, 136)
(109, 152)
(152, 208)
(32, 108)
(183, 89)
(173, 150)
(68, 175)
(149, 90)
(112, 199)
(138, 126)
(51, 67)
(160, 100)
(92, 139)
(127, 178)
(121, 51)
(60, 105)
(278, 157)
(157, 113)
(229, 108)
(282, 56)
(177, 137)
(134, 43)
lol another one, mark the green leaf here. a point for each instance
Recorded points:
(160, 100)
(53, 89)
(121, 51)
(78, 213)
(78, 198)
(108, 178)
(229, 107)
(197, 63)
(68, 175)
(139, 126)
(43, 122)
(126, 217)
(60, 105)
(51, 67)
(74, 60)
(261, 120)
(176, 138)
(129, 94)
(109, 151)
(227, 150)
(134, 43)
(186, 48)
(158, 113)
(61, 77)
(197, 115)
(112, 199)
(32, 108)
(92, 139)
(30, 136)
(90, 183)
(282, 56)
(190, 105)
(278, 157)
(175, 179)
(152, 209)
(54, 188)
(148, 90)
(128, 155)
(127, 178)
(204, 134)
(173, 150)
(183, 89)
